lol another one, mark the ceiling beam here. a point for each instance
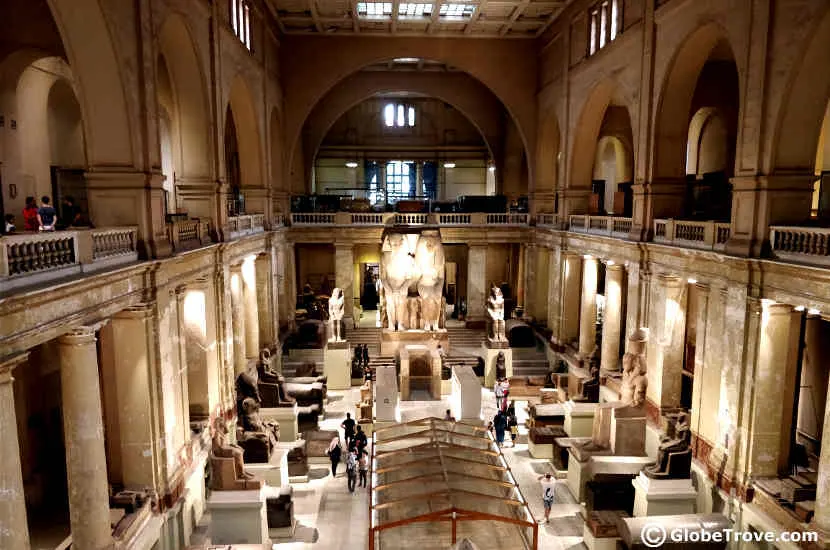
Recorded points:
(355, 18)
(520, 9)
(312, 6)
(275, 14)
(476, 14)
(395, 4)
(558, 9)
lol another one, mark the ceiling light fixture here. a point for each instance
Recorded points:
(691, 281)
(800, 308)
(406, 59)
(492, 167)
(813, 312)
(351, 164)
(449, 165)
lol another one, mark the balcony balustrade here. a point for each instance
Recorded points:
(188, 234)
(809, 245)
(612, 226)
(401, 218)
(707, 235)
(246, 224)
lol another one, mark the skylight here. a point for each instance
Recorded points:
(457, 10)
(415, 9)
(374, 9)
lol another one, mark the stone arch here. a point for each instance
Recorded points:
(707, 146)
(799, 124)
(190, 103)
(244, 116)
(671, 127)
(612, 164)
(91, 54)
(587, 132)
(548, 158)
(508, 70)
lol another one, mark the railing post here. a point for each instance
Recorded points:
(4, 259)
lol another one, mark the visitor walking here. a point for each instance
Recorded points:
(366, 355)
(351, 470)
(500, 425)
(548, 486)
(357, 358)
(449, 417)
(46, 215)
(335, 452)
(30, 222)
(512, 423)
(363, 467)
(348, 428)
(505, 393)
(359, 440)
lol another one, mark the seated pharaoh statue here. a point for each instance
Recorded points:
(674, 456)
(227, 464)
(256, 437)
(247, 386)
(628, 413)
(590, 388)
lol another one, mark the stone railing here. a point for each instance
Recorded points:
(800, 244)
(548, 220)
(507, 219)
(370, 218)
(454, 219)
(312, 218)
(188, 234)
(278, 220)
(32, 258)
(692, 234)
(246, 224)
(401, 218)
(613, 226)
(411, 219)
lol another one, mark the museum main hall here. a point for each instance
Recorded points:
(435, 275)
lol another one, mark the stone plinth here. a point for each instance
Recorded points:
(466, 394)
(238, 517)
(336, 365)
(594, 542)
(490, 356)
(427, 365)
(579, 418)
(663, 497)
(628, 435)
(275, 471)
(386, 394)
(287, 419)
(581, 472)
(392, 341)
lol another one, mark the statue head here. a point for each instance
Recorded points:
(337, 293)
(637, 341)
(249, 406)
(495, 292)
(220, 426)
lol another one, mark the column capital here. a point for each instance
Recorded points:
(8, 364)
(668, 279)
(137, 311)
(615, 267)
(80, 336)
(774, 308)
(236, 268)
(703, 287)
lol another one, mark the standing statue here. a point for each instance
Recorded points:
(429, 257)
(413, 310)
(398, 271)
(336, 309)
(495, 308)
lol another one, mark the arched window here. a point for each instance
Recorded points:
(398, 115)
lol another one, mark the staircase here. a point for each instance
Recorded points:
(364, 335)
(468, 340)
(530, 362)
(299, 357)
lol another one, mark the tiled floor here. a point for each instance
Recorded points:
(331, 518)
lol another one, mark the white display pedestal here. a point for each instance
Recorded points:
(238, 517)
(539, 450)
(287, 419)
(491, 353)
(580, 473)
(579, 418)
(598, 543)
(280, 534)
(275, 471)
(386, 394)
(466, 394)
(336, 365)
(663, 497)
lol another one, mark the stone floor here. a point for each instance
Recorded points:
(331, 518)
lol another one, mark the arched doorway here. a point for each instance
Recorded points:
(613, 165)
(243, 153)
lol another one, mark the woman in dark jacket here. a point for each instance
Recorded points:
(335, 452)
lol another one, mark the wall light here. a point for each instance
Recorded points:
(351, 164)
(492, 167)
(610, 262)
(449, 165)
(588, 257)
(691, 281)
(800, 308)
(813, 312)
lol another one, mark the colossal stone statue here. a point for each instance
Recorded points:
(336, 309)
(398, 272)
(429, 257)
(495, 308)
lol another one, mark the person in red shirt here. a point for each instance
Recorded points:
(30, 221)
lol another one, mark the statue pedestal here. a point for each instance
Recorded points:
(386, 394)
(336, 365)
(275, 471)
(466, 394)
(628, 435)
(663, 497)
(579, 418)
(287, 419)
(490, 356)
(238, 517)
(392, 341)
(581, 472)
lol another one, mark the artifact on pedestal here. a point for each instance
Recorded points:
(674, 456)
(619, 427)
(501, 370)
(247, 386)
(256, 437)
(336, 311)
(430, 262)
(397, 272)
(280, 509)
(227, 464)
(590, 388)
(495, 308)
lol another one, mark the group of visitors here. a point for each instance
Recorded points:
(505, 421)
(360, 360)
(45, 217)
(357, 455)
(502, 390)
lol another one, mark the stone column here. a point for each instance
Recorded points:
(86, 461)
(701, 343)
(612, 321)
(240, 361)
(520, 277)
(290, 281)
(251, 307)
(344, 275)
(667, 322)
(769, 437)
(266, 298)
(553, 291)
(419, 178)
(14, 529)
(569, 298)
(588, 307)
(821, 519)
(133, 353)
(476, 282)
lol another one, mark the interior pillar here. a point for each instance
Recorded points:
(344, 275)
(14, 528)
(267, 300)
(240, 361)
(281, 281)
(667, 342)
(701, 386)
(86, 461)
(476, 281)
(611, 324)
(133, 352)
(419, 179)
(821, 519)
(251, 307)
(570, 297)
(588, 307)
(199, 349)
(553, 294)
